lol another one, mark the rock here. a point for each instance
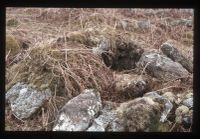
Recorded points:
(102, 46)
(163, 101)
(161, 67)
(184, 96)
(180, 112)
(117, 125)
(122, 24)
(128, 25)
(125, 55)
(187, 119)
(141, 114)
(103, 121)
(25, 101)
(131, 86)
(183, 22)
(189, 95)
(78, 113)
(172, 52)
(12, 22)
(170, 96)
(188, 102)
(144, 24)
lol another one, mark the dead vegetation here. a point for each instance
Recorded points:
(53, 48)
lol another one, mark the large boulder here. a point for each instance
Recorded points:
(163, 101)
(78, 113)
(161, 67)
(172, 52)
(141, 114)
(25, 101)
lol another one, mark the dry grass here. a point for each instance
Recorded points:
(69, 66)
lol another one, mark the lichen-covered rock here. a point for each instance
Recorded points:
(188, 102)
(187, 119)
(181, 112)
(163, 101)
(12, 22)
(144, 24)
(131, 86)
(102, 46)
(25, 101)
(78, 113)
(189, 94)
(186, 97)
(170, 96)
(141, 114)
(107, 116)
(183, 22)
(172, 52)
(161, 67)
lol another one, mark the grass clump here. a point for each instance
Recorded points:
(12, 45)
(65, 70)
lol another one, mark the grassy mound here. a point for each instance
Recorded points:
(66, 70)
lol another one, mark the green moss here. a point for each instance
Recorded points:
(12, 22)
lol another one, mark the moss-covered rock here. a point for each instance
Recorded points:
(12, 22)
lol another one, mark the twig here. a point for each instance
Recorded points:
(172, 127)
(143, 70)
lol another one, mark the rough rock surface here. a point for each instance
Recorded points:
(141, 114)
(181, 112)
(25, 100)
(78, 113)
(102, 46)
(188, 102)
(187, 119)
(184, 22)
(105, 119)
(130, 85)
(182, 97)
(161, 67)
(167, 105)
(170, 96)
(144, 24)
(172, 52)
